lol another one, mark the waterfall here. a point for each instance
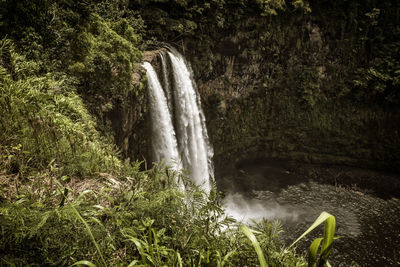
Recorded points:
(167, 82)
(194, 147)
(164, 144)
(179, 103)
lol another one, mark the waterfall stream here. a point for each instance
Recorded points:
(164, 144)
(179, 134)
(193, 143)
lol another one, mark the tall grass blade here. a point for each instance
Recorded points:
(178, 255)
(90, 234)
(133, 263)
(83, 221)
(226, 258)
(256, 245)
(86, 263)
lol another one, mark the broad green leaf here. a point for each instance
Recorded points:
(327, 240)
(322, 217)
(312, 254)
(329, 232)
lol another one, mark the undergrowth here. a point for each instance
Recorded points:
(139, 220)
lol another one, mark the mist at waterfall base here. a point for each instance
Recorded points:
(250, 193)
(247, 210)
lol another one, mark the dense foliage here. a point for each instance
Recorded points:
(317, 49)
(67, 194)
(70, 36)
(44, 122)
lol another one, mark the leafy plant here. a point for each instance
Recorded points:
(327, 240)
(256, 245)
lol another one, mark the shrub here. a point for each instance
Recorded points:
(45, 122)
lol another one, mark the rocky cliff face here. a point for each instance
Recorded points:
(293, 99)
(125, 117)
(129, 117)
(247, 120)
(271, 125)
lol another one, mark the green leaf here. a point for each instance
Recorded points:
(327, 240)
(227, 257)
(133, 263)
(178, 255)
(255, 243)
(329, 232)
(312, 254)
(90, 234)
(87, 263)
(322, 217)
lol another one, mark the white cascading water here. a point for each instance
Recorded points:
(194, 147)
(164, 144)
(191, 148)
(167, 82)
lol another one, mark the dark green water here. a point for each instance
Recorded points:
(369, 225)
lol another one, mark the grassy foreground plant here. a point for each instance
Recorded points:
(327, 241)
(313, 259)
